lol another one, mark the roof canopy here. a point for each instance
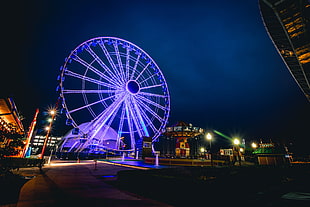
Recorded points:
(9, 118)
(288, 25)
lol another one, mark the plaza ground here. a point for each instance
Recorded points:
(69, 183)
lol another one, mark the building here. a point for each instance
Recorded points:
(182, 131)
(288, 25)
(272, 154)
(9, 117)
(38, 140)
(10, 122)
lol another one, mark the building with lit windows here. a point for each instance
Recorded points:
(10, 122)
(288, 25)
(38, 140)
(9, 117)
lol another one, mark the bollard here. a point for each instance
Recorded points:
(95, 164)
(137, 154)
(156, 158)
(123, 157)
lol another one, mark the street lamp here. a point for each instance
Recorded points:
(209, 137)
(202, 150)
(236, 143)
(53, 113)
(254, 145)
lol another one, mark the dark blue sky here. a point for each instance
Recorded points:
(222, 69)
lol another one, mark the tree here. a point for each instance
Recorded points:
(12, 143)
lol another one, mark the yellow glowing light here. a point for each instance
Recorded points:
(236, 141)
(47, 128)
(66, 164)
(202, 149)
(254, 145)
(52, 112)
(209, 136)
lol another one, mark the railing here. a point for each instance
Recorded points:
(186, 162)
(15, 163)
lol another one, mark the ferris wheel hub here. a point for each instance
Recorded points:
(132, 87)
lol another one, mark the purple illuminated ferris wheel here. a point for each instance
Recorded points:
(108, 82)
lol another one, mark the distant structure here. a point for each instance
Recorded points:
(288, 25)
(38, 140)
(272, 154)
(74, 140)
(182, 131)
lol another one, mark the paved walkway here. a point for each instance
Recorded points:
(77, 184)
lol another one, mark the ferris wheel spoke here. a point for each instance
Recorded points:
(104, 116)
(120, 127)
(68, 91)
(102, 64)
(96, 130)
(141, 122)
(152, 86)
(79, 76)
(147, 65)
(147, 118)
(95, 70)
(127, 62)
(133, 116)
(108, 56)
(98, 117)
(86, 103)
(152, 94)
(152, 102)
(148, 78)
(91, 104)
(154, 114)
(135, 66)
(119, 61)
(130, 124)
(108, 124)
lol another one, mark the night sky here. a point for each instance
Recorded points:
(221, 67)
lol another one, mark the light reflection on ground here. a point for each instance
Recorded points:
(138, 164)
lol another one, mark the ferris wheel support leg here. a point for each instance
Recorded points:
(137, 154)
(156, 158)
(123, 157)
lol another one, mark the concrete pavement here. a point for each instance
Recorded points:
(65, 183)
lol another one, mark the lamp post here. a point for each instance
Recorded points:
(237, 149)
(202, 150)
(209, 138)
(236, 141)
(52, 112)
(30, 132)
(254, 146)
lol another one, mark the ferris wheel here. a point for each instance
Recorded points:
(109, 82)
